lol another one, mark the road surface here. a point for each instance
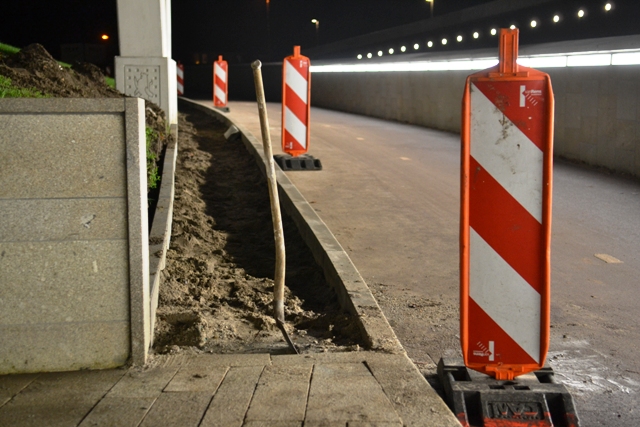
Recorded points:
(390, 194)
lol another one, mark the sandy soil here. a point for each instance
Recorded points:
(34, 68)
(218, 282)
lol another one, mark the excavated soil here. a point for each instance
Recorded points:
(217, 286)
(34, 68)
(218, 281)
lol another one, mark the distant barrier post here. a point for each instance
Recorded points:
(180, 77)
(220, 84)
(296, 114)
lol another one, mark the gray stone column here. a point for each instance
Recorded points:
(144, 68)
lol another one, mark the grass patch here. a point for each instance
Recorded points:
(7, 90)
(5, 48)
(152, 169)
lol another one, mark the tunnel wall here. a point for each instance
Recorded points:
(597, 116)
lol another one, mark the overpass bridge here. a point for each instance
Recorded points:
(404, 179)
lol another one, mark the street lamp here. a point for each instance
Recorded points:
(430, 6)
(315, 21)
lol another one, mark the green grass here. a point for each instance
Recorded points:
(5, 48)
(152, 169)
(8, 90)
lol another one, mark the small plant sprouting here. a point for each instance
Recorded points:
(152, 169)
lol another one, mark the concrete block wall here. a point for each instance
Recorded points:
(597, 116)
(73, 236)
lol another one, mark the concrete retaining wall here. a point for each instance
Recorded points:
(597, 108)
(74, 260)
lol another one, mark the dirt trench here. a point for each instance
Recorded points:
(216, 292)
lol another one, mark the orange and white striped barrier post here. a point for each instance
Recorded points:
(296, 114)
(505, 236)
(220, 83)
(296, 110)
(180, 77)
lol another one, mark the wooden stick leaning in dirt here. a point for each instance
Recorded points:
(278, 291)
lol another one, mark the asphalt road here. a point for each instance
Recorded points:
(390, 194)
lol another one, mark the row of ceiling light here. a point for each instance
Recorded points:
(581, 13)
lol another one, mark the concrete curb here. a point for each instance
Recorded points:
(353, 293)
(160, 233)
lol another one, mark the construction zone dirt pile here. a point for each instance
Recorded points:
(35, 69)
(217, 286)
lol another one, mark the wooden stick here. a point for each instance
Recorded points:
(278, 290)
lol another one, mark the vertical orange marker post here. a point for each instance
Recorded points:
(505, 227)
(220, 88)
(180, 77)
(296, 109)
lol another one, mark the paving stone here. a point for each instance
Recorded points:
(300, 359)
(118, 411)
(60, 399)
(10, 385)
(178, 409)
(281, 394)
(373, 424)
(272, 424)
(259, 359)
(197, 378)
(347, 392)
(230, 403)
(144, 383)
(414, 399)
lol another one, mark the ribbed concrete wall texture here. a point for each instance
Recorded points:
(597, 118)
(72, 234)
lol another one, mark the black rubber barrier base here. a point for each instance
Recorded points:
(304, 162)
(224, 109)
(534, 399)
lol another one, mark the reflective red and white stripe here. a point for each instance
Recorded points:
(180, 76)
(295, 108)
(506, 232)
(220, 71)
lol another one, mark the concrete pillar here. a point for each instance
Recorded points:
(144, 68)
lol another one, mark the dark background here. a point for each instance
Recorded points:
(243, 30)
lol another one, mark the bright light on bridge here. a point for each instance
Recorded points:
(574, 59)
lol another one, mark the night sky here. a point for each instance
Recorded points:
(243, 30)
(236, 28)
